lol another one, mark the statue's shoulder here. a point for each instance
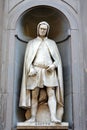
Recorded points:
(32, 41)
(51, 41)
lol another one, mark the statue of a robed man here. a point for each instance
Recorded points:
(42, 69)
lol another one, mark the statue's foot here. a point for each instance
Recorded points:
(55, 120)
(31, 120)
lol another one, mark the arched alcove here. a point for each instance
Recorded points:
(26, 30)
(70, 48)
(29, 20)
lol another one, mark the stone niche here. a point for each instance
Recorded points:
(26, 30)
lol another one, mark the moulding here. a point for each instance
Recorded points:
(19, 10)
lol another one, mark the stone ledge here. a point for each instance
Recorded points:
(41, 125)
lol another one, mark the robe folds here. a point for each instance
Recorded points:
(30, 53)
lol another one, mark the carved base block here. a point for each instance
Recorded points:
(42, 125)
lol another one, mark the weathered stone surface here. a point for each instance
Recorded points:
(42, 125)
(13, 3)
(78, 90)
(83, 17)
(3, 104)
(1, 28)
(73, 3)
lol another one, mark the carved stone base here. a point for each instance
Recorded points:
(42, 125)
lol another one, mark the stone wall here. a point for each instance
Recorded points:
(83, 17)
(79, 113)
(2, 94)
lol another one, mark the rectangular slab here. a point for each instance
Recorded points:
(42, 125)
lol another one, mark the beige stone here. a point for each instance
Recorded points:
(78, 83)
(43, 125)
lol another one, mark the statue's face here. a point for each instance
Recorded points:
(42, 30)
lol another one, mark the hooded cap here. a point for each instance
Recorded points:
(45, 23)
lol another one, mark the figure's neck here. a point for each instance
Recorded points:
(42, 37)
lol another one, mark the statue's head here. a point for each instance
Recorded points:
(43, 29)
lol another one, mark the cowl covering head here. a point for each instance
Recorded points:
(45, 23)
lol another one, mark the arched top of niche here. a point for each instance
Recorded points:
(60, 5)
(27, 23)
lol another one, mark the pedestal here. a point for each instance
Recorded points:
(42, 125)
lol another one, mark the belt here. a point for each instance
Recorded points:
(41, 66)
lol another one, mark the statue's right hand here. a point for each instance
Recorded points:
(32, 72)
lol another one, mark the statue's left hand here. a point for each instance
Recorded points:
(51, 67)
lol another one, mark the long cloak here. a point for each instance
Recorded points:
(30, 54)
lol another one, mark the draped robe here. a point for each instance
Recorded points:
(30, 54)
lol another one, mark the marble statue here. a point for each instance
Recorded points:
(42, 69)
